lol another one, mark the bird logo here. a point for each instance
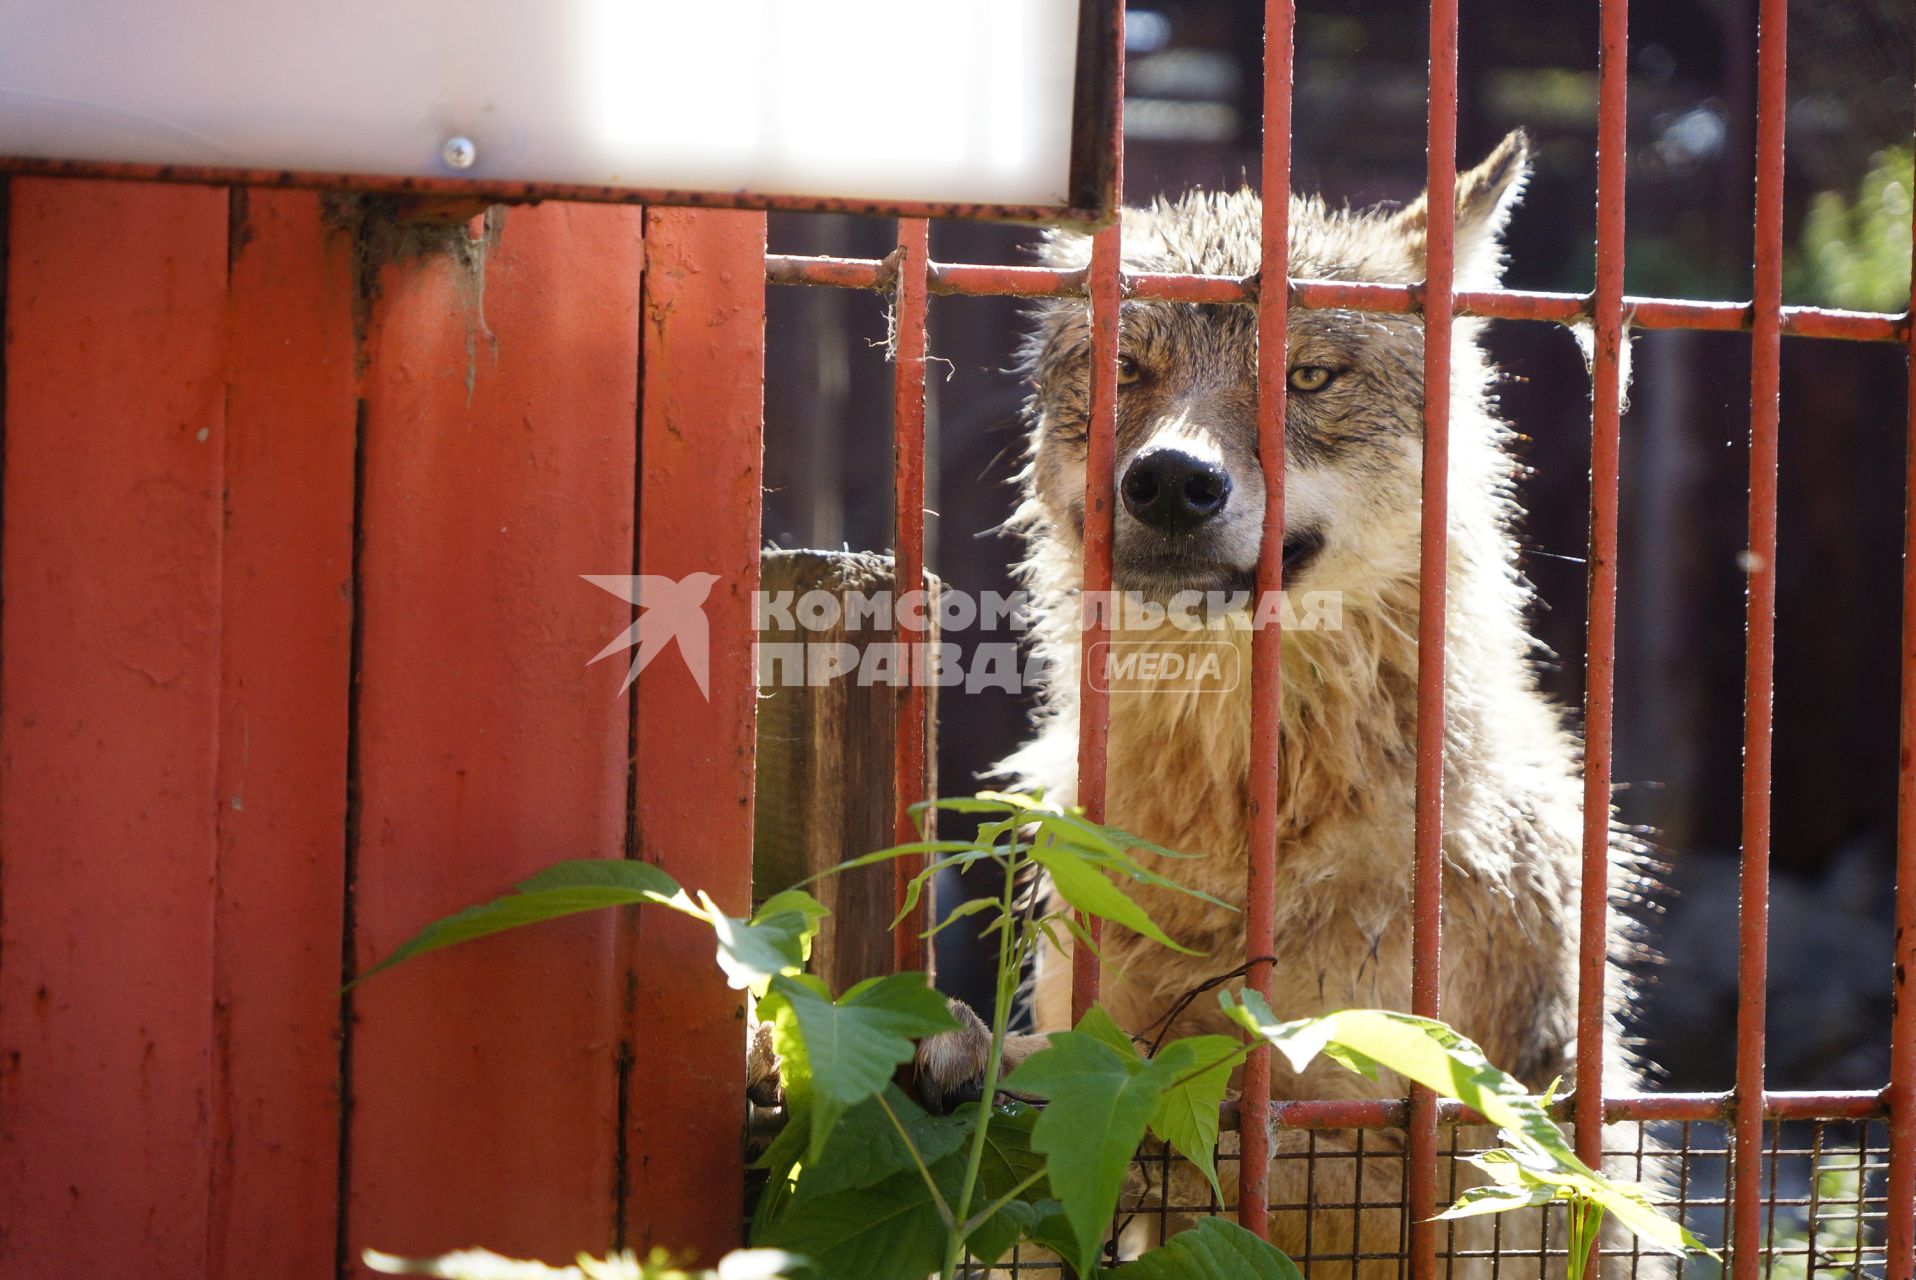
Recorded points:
(671, 610)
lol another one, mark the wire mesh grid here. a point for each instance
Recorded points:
(1336, 1194)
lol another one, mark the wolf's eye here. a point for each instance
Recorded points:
(1128, 370)
(1311, 377)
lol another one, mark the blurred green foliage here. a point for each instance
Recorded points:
(1855, 252)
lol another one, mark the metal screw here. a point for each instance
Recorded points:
(459, 153)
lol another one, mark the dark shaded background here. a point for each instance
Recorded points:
(1192, 121)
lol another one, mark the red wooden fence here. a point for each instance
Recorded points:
(297, 500)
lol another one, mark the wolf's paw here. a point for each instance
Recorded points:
(949, 1070)
(763, 1084)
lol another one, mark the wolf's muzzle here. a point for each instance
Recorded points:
(1173, 492)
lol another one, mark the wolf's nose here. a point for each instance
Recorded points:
(1172, 491)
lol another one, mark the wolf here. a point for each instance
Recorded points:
(1189, 519)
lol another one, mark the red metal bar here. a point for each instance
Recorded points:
(1759, 669)
(1394, 1113)
(1100, 495)
(1100, 498)
(1900, 1194)
(499, 191)
(1007, 282)
(701, 426)
(1426, 981)
(975, 280)
(1600, 664)
(908, 494)
(1260, 941)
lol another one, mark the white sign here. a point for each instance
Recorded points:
(891, 100)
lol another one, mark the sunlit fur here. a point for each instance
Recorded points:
(1345, 796)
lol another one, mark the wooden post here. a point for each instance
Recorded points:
(825, 789)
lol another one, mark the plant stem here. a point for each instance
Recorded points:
(1000, 1020)
(944, 1210)
(985, 1214)
(1586, 1217)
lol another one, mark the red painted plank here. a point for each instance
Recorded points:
(115, 320)
(501, 389)
(285, 656)
(699, 513)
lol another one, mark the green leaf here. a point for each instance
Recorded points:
(774, 942)
(781, 1160)
(1098, 1023)
(1053, 1229)
(1441, 1059)
(1496, 1199)
(1215, 1249)
(906, 850)
(1134, 870)
(1003, 802)
(969, 907)
(1084, 887)
(864, 1147)
(566, 889)
(1137, 844)
(1419, 1049)
(1100, 1102)
(782, 905)
(1199, 1071)
(1009, 1156)
(881, 1232)
(849, 1047)
(890, 1228)
(1187, 1112)
(992, 1239)
(915, 887)
(1074, 831)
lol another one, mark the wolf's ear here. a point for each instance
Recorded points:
(1063, 250)
(1485, 197)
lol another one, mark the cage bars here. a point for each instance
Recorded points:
(1427, 873)
(1600, 662)
(1273, 315)
(1609, 312)
(1901, 1094)
(1100, 497)
(1760, 630)
(980, 280)
(908, 515)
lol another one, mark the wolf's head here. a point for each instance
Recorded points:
(1191, 489)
